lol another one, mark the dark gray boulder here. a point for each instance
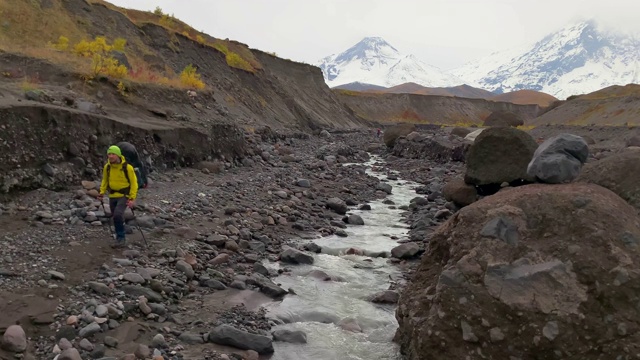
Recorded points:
(559, 159)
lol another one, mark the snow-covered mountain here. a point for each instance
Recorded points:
(577, 59)
(374, 61)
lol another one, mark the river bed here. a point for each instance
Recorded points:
(320, 306)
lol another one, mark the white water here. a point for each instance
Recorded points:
(319, 305)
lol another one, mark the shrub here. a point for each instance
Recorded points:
(234, 60)
(190, 78)
(62, 44)
(101, 60)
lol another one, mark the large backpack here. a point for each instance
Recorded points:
(132, 157)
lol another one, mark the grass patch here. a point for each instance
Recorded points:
(237, 55)
(55, 34)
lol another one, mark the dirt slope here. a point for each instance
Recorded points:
(464, 91)
(428, 108)
(614, 105)
(251, 87)
(525, 97)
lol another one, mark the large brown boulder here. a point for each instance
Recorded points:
(498, 155)
(459, 192)
(392, 133)
(619, 173)
(532, 272)
(503, 118)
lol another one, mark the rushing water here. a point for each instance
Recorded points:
(319, 305)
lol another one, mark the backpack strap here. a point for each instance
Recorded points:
(124, 191)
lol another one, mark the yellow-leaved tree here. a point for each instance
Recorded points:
(101, 54)
(190, 78)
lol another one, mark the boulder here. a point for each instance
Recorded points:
(536, 269)
(230, 336)
(392, 133)
(295, 337)
(460, 131)
(619, 173)
(337, 205)
(14, 339)
(434, 147)
(499, 155)
(461, 193)
(294, 256)
(405, 251)
(559, 159)
(503, 118)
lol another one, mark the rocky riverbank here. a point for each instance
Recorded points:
(199, 280)
(541, 242)
(196, 290)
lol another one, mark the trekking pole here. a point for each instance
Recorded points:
(109, 222)
(139, 228)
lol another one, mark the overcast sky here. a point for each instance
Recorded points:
(443, 33)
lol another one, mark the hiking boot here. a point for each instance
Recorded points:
(120, 243)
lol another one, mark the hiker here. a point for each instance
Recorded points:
(132, 156)
(378, 133)
(120, 179)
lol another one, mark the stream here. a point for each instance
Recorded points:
(320, 306)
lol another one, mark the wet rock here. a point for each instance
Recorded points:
(384, 187)
(294, 256)
(405, 251)
(350, 324)
(230, 336)
(312, 247)
(559, 159)
(295, 337)
(14, 339)
(499, 155)
(385, 297)
(337, 205)
(355, 220)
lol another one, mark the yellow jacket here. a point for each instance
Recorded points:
(117, 180)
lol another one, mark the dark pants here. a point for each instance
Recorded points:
(118, 206)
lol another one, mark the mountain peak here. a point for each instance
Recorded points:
(581, 57)
(374, 61)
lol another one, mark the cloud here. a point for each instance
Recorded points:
(443, 33)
